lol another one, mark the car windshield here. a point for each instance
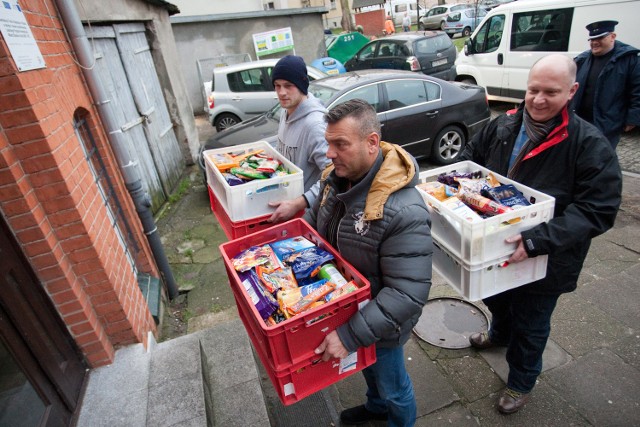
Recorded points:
(323, 93)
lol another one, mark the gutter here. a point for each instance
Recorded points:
(128, 166)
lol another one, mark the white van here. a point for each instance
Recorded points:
(510, 39)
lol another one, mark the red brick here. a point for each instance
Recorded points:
(10, 84)
(15, 100)
(19, 206)
(64, 297)
(70, 307)
(58, 285)
(64, 219)
(32, 148)
(43, 261)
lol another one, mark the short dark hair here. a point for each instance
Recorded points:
(360, 110)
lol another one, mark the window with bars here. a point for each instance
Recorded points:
(106, 189)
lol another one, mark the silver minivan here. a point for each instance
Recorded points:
(436, 17)
(240, 91)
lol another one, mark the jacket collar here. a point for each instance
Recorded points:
(556, 136)
(393, 169)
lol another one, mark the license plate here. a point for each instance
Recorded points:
(439, 62)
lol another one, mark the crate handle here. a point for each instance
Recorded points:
(267, 188)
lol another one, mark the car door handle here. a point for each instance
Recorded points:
(432, 114)
(236, 98)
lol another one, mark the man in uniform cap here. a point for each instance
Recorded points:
(609, 82)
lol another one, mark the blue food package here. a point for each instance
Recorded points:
(263, 301)
(232, 179)
(283, 248)
(507, 195)
(305, 262)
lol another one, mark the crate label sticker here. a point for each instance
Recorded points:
(289, 389)
(348, 363)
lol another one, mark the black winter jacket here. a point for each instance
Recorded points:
(617, 97)
(577, 166)
(385, 235)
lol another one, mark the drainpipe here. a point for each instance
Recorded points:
(128, 166)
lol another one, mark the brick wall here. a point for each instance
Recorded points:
(50, 200)
(372, 22)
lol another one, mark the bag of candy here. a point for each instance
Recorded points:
(303, 263)
(261, 299)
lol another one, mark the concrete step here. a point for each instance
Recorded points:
(205, 378)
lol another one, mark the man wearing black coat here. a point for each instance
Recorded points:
(543, 145)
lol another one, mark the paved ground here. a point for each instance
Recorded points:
(592, 363)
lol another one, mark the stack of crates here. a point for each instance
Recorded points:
(286, 349)
(244, 209)
(471, 256)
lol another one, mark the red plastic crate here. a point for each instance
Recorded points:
(292, 342)
(297, 382)
(234, 230)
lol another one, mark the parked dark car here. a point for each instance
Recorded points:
(429, 52)
(427, 116)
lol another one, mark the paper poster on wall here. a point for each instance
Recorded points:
(19, 38)
(271, 42)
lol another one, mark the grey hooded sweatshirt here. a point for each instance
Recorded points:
(301, 140)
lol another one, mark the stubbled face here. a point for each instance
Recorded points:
(288, 94)
(352, 155)
(603, 45)
(549, 89)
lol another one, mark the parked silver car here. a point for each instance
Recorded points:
(463, 21)
(240, 91)
(436, 17)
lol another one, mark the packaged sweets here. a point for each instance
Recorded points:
(346, 289)
(438, 190)
(483, 204)
(277, 279)
(451, 178)
(285, 247)
(459, 207)
(254, 256)
(261, 299)
(304, 262)
(232, 179)
(248, 173)
(223, 161)
(507, 195)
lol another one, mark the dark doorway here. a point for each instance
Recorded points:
(41, 369)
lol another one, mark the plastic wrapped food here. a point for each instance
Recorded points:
(483, 204)
(460, 208)
(254, 256)
(285, 247)
(450, 178)
(303, 263)
(507, 195)
(438, 190)
(277, 279)
(261, 299)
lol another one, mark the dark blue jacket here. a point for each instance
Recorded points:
(577, 166)
(617, 96)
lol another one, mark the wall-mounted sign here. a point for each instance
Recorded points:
(18, 36)
(274, 41)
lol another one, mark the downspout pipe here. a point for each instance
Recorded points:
(128, 166)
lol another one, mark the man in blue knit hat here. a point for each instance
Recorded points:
(300, 133)
(609, 82)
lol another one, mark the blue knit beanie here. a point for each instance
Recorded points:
(292, 69)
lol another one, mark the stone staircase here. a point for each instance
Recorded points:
(206, 378)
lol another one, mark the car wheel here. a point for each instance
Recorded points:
(448, 145)
(442, 25)
(226, 120)
(468, 81)
(466, 32)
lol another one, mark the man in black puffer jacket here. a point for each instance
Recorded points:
(370, 211)
(545, 146)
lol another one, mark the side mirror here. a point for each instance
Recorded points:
(468, 47)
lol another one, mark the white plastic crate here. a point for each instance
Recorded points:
(482, 241)
(251, 199)
(475, 282)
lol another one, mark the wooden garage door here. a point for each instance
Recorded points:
(127, 71)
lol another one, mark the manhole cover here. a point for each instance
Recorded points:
(448, 322)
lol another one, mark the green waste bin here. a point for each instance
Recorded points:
(343, 46)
